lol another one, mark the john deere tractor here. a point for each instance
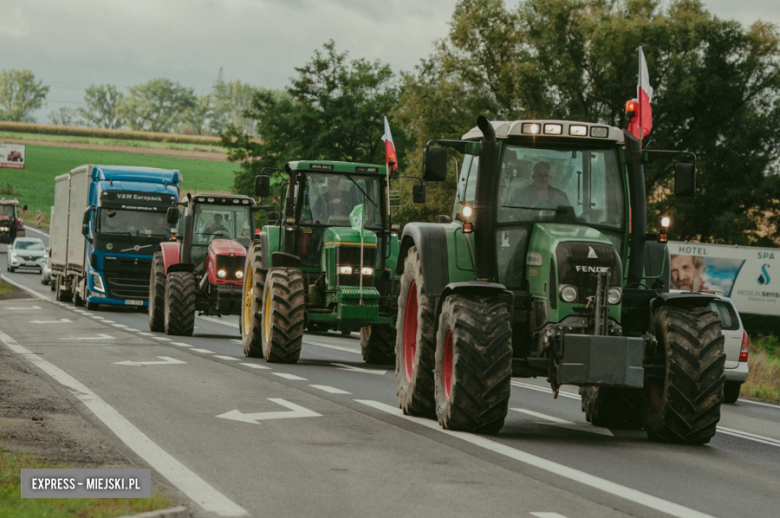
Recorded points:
(310, 268)
(547, 270)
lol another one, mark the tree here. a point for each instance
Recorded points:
(195, 120)
(65, 117)
(230, 101)
(332, 111)
(102, 106)
(20, 95)
(157, 105)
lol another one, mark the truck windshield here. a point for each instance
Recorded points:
(328, 199)
(132, 223)
(534, 182)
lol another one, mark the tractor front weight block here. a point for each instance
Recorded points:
(614, 361)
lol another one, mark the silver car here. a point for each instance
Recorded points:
(736, 346)
(26, 252)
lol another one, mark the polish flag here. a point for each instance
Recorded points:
(390, 154)
(642, 122)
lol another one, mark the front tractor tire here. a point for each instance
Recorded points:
(377, 344)
(251, 318)
(684, 406)
(473, 363)
(180, 293)
(415, 342)
(612, 407)
(157, 294)
(283, 315)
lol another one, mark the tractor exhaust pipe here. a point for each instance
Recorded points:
(484, 204)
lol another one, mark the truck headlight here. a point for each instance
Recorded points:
(614, 295)
(97, 283)
(568, 293)
(367, 271)
(345, 270)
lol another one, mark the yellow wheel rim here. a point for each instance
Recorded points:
(248, 285)
(267, 317)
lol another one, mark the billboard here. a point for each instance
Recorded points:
(749, 275)
(12, 156)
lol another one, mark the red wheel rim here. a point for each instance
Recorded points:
(410, 331)
(656, 394)
(446, 370)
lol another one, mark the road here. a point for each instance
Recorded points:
(325, 437)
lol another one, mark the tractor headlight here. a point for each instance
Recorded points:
(614, 295)
(345, 270)
(221, 274)
(367, 271)
(568, 293)
(239, 274)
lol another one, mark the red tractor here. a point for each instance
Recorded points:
(11, 224)
(203, 270)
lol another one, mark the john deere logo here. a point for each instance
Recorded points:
(109, 246)
(764, 278)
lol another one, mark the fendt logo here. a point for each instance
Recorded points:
(764, 278)
(592, 269)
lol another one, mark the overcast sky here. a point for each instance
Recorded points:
(71, 44)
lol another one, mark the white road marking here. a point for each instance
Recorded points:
(60, 321)
(580, 427)
(547, 515)
(179, 475)
(219, 321)
(23, 308)
(749, 436)
(239, 342)
(107, 321)
(289, 376)
(546, 390)
(295, 411)
(335, 347)
(181, 344)
(230, 358)
(144, 333)
(28, 290)
(330, 390)
(776, 407)
(100, 336)
(587, 479)
(255, 366)
(166, 360)
(119, 325)
(36, 230)
(97, 317)
(163, 339)
(204, 351)
(344, 367)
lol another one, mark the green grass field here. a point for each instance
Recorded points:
(34, 185)
(107, 141)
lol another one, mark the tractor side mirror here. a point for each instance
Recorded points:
(172, 217)
(274, 217)
(418, 193)
(262, 186)
(684, 180)
(434, 164)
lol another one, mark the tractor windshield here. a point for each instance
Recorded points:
(328, 199)
(534, 182)
(7, 210)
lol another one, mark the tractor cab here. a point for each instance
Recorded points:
(11, 224)
(217, 217)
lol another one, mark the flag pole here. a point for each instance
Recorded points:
(362, 232)
(639, 101)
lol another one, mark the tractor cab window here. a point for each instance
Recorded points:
(212, 221)
(7, 210)
(534, 182)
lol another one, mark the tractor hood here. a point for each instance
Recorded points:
(227, 247)
(347, 236)
(5, 218)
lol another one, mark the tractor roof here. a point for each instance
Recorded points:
(551, 128)
(221, 198)
(330, 166)
(9, 202)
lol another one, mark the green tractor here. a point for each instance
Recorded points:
(548, 270)
(311, 269)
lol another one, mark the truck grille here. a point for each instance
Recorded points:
(127, 278)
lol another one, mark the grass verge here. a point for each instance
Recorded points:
(12, 505)
(764, 365)
(7, 288)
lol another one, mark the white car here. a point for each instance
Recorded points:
(26, 252)
(46, 270)
(736, 346)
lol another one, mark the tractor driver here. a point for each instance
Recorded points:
(216, 226)
(333, 203)
(540, 195)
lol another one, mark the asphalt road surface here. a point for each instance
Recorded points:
(325, 437)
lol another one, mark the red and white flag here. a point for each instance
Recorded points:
(642, 122)
(391, 158)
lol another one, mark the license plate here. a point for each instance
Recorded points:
(134, 302)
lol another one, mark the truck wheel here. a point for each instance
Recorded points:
(157, 294)
(78, 298)
(731, 392)
(684, 405)
(473, 363)
(251, 317)
(283, 315)
(377, 343)
(179, 315)
(415, 344)
(612, 407)
(62, 295)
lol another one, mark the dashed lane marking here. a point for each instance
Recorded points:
(289, 376)
(60, 321)
(546, 390)
(180, 344)
(204, 351)
(255, 366)
(335, 347)
(749, 436)
(229, 358)
(197, 489)
(547, 515)
(25, 308)
(144, 333)
(330, 390)
(587, 479)
(776, 407)
(163, 339)
(352, 368)
(219, 321)
(107, 321)
(119, 325)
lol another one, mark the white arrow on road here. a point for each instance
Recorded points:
(166, 360)
(60, 321)
(100, 336)
(344, 367)
(295, 411)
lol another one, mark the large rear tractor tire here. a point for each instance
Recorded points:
(684, 406)
(473, 363)
(612, 407)
(180, 293)
(283, 315)
(415, 342)
(157, 294)
(377, 344)
(251, 318)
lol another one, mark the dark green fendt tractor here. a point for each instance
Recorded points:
(304, 269)
(546, 270)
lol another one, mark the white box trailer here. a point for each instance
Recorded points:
(58, 230)
(79, 192)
